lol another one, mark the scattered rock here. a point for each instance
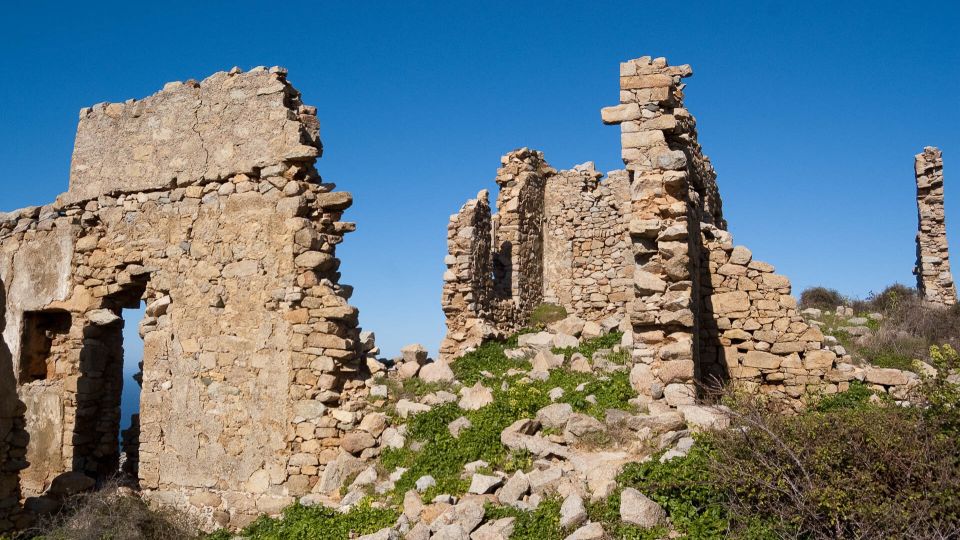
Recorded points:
(415, 353)
(475, 397)
(637, 509)
(593, 531)
(425, 482)
(572, 511)
(483, 484)
(436, 372)
(555, 416)
(459, 425)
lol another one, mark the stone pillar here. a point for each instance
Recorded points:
(467, 282)
(934, 280)
(665, 226)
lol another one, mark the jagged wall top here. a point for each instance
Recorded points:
(230, 123)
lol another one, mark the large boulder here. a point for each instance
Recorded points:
(637, 509)
(436, 372)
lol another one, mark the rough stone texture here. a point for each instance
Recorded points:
(557, 237)
(229, 123)
(934, 279)
(203, 202)
(647, 245)
(585, 243)
(468, 280)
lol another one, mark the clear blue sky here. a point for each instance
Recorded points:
(811, 111)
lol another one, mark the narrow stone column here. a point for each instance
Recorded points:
(934, 279)
(467, 282)
(665, 226)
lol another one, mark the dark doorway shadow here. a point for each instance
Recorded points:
(14, 438)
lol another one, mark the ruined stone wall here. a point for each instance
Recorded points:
(556, 237)
(586, 243)
(251, 380)
(705, 310)
(664, 225)
(650, 245)
(468, 283)
(518, 238)
(934, 279)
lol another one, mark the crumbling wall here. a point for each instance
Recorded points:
(586, 242)
(705, 310)
(664, 225)
(252, 381)
(557, 237)
(467, 283)
(934, 279)
(518, 238)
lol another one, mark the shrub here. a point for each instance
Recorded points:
(857, 397)
(545, 314)
(105, 514)
(909, 329)
(887, 300)
(821, 298)
(683, 488)
(861, 472)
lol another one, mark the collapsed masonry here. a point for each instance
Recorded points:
(645, 249)
(201, 201)
(934, 279)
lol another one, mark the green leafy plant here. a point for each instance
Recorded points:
(317, 523)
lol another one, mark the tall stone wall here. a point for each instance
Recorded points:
(585, 243)
(468, 283)
(557, 237)
(705, 310)
(934, 279)
(664, 224)
(252, 380)
(518, 238)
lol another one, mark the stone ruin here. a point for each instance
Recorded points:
(644, 250)
(201, 201)
(934, 279)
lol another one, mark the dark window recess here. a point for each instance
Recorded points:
(39, 330)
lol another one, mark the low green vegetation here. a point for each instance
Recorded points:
(317, 523)
(442, 456)
(545, 314)
(540, 524)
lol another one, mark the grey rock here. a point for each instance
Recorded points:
(482, 484)
(572, 511)
(637, 509)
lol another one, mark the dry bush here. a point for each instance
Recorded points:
(886, 300)
(107, 514)
(821, 298)
(909, 328)
(866, 472)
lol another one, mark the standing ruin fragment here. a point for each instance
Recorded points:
(201, 201)
(934, 279)
(644, 250)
